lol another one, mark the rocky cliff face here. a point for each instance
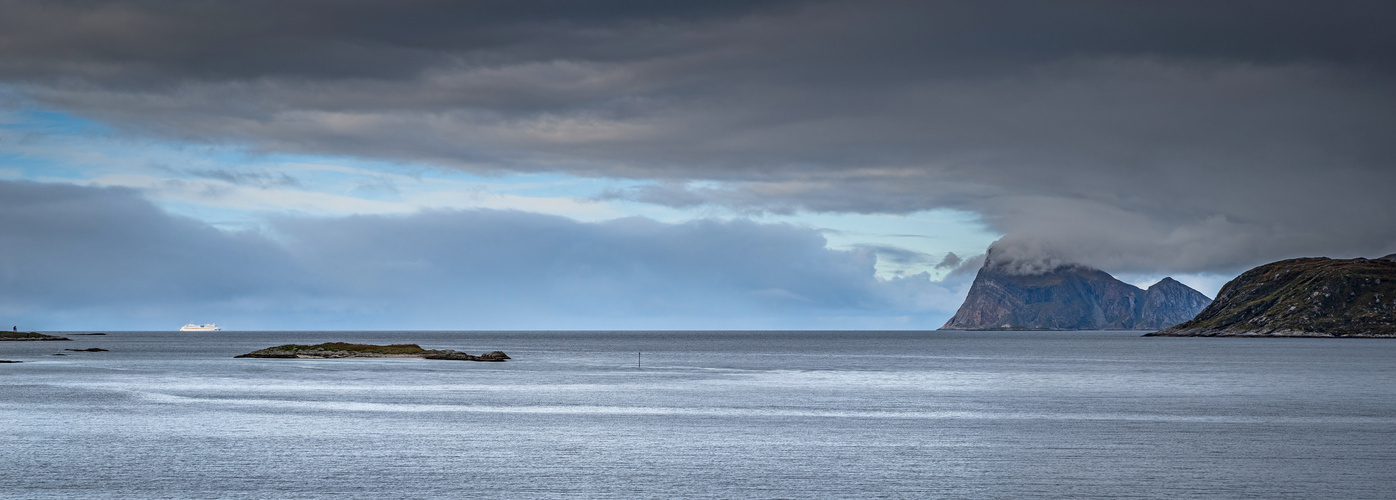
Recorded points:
(1169, 302)
(1070, 297)
(1312, 297)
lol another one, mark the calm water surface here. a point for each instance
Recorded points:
(708, 414)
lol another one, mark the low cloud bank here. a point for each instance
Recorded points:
(79, 257)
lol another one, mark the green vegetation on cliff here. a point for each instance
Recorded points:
(1309, 297)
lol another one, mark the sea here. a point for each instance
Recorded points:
(725, 414)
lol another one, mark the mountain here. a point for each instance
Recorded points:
(1069, 297)
(1311, 297)
(1169, 302)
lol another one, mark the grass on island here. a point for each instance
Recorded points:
(344, 346)
(1333, 296)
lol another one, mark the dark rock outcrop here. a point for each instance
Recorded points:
(1310, 297)
(1070, 297)
(460, 356)
(346, 350)
(4, 335)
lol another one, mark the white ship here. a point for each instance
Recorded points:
(200, 328)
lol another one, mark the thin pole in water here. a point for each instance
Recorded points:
(637, 360)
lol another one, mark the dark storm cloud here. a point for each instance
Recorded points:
(155, 42)
(1173, 136)
(135, 41)
(70, 254)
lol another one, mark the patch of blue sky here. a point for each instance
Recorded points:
(182, 176)
(24, 133)
(49, 122)
(906, 244)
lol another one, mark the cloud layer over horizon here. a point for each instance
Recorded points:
(75, 255)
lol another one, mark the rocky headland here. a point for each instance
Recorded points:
(21, 336)
(1005, 296)
(1309, 297)
(346, 350)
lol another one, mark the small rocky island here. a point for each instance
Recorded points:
(346, 350)
(1309, 297)
(20, 336)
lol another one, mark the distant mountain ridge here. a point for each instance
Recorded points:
(1070, 297)
(1309, 297)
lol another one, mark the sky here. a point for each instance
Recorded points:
(667, 165)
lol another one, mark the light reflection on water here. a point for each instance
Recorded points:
(709, 414)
